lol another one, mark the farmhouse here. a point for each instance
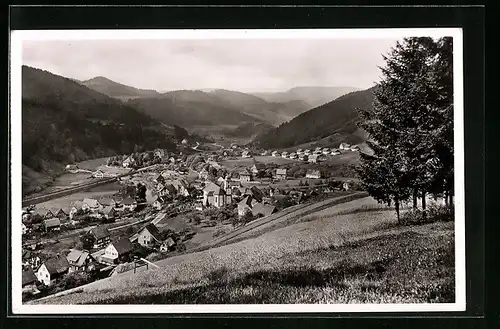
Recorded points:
(80, 260)
(129, 204)
(245, 175)
(263, 209)
(108, 202)
(77, 205)
(275, 154)
(98, 174)
(168, 190)
(91, 205)
(181, 186)
(108, 212)
(117, 250)
(345, 146)
(281, 173)
(101, 236)
(284, 154)
(52, 270)
(52, 224)
(293, 155)
(245, 205)
(167, 245)
(149, 236)
(30, 259)
(313, 173)
(313, 158)
(29, 280)
(257, 168)
(59, 212)
(42, 213)
(246, 154)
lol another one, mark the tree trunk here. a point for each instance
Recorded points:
(415, 202)
(424, 215)
(396, 203)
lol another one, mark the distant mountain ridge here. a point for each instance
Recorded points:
(313, 95)
(336, 119)
(117, 90)
(64, 121)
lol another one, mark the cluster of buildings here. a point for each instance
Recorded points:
(109, 253)
(54, 218)
(316, 155)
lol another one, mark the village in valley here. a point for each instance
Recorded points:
(167, 203)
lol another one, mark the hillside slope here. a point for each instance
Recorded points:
(337, 118)
(313, 96)
(190, 108)
(273, 113)
(63, 122)
(117, 90)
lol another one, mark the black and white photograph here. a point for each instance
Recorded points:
(199, 171)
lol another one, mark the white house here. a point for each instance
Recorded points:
(275, 154)
(345, 186)
(313, 173)
(312, 158)
(149, 236)
(245, 175)
(344, 146)
(129, 203)
(52, 270)
(167, 245)
(307, 152)
(284, 154)
(281, 173)
(98, 174)
(115, 250)
(246, 154)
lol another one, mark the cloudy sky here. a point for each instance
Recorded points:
(244, 65)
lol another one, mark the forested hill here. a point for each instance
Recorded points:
(117, 90)
(338, 117)
(63, 122)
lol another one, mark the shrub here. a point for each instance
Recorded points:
(412, 217)
(441, 213)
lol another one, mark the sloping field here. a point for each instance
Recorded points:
(359, 257)
(288, 216)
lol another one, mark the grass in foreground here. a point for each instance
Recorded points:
(402, 265)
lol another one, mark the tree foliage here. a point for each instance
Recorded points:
(410, 124)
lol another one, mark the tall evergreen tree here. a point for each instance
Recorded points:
(410, 124)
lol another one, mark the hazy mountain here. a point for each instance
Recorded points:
(274, 113)
(64, 121)
(190, 108)
(117, 90)
(337, 119)
(313, 96)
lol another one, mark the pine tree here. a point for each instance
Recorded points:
(410, 124)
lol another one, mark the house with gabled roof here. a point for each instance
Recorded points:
(52, 270)
(281, 173)
(263, 209)
(313, 158)
(43, 213)
(117, 250)
(108, 212)
(275, 154)
(245, 205)
(181, 186)
(52, 224)
(29, 280)
(257, 168)
(91, 205)
(168, 190)
(149, 236)
(59, 212)
(101, 235)
(80, 260)
(129, 204)
(214, 195)
(284, 154)
(245, 175)
(313, 173)
(107, 201)
(344, 146)
(246, 154)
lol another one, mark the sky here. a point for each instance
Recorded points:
(247, 65)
